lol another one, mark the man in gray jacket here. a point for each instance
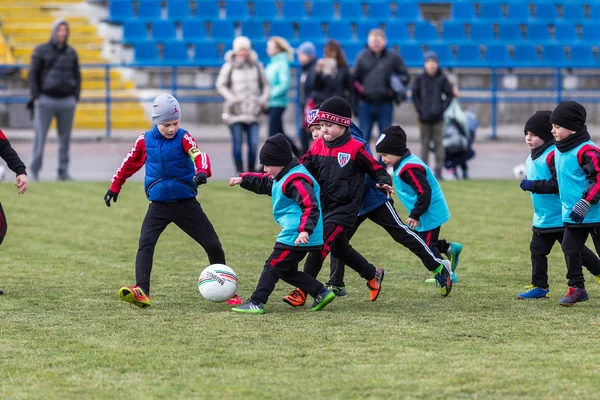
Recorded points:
(55, 81)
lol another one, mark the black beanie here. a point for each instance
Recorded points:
(337, 110)
(570, 115)
(392, 141)
(311, 117)
(276, 152)
(539, 124)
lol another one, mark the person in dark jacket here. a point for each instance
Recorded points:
(55, 81)
(339, 163)
(431, 95)
(13, 161)
(332, 77)
(307, 57)
(373, 72)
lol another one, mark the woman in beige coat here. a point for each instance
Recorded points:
(244, 87)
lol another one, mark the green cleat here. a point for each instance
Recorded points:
(250, 307)
(325, 297)
(339, 291)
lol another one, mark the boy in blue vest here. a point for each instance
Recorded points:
(296, 207)
(174, 169)
(577, 161)
(547, 218)
(422, 196)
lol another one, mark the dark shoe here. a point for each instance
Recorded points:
(34, 176)
(339, 291)
(325, 297)
(64, 176)
(1, 291)
(574, 295)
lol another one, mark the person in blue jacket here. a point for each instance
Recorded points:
(547, 209)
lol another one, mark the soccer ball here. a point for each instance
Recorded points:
(217, 283)
(519, 172)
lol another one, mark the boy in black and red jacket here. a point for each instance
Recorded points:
(13, 161)
(339, 163)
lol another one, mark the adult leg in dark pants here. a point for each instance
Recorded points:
(283, 264)
(276, 126)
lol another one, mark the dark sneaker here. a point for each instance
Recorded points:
(339, 291)
(64, 176)
(325, 297)
(443, 277)
(134, 295)
(1, 291)
(374, 284)
(296, 298)
(250, 307)
(534, 293)
(574, 295)
(454, 255)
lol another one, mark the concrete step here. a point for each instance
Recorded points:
(78, 42)
(85, 56)
(28, 30)
(42, 19)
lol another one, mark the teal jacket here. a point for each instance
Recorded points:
(278, 75)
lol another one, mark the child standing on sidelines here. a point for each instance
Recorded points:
(13, 161)
(577, 162)
(174, 167)
(339, 163)
(547, 219)
(422, 196)
(296, 207)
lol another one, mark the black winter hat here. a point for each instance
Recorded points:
(276, 152)
(392, 141)
(539, 124)
(570, 115)
(337, 110)
(311, 117)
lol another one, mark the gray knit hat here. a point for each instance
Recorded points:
(165, 108)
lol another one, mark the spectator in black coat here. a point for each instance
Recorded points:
(307, 57)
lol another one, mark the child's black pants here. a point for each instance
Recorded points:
(572, 246)
(432, 239)
(3, 225)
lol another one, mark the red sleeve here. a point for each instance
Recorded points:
(201, 160)
(299, 188)
(134, 160)
(2, 135)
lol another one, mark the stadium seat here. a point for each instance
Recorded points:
(491, 11)
(554, 55)
(222, 30)
(463, 12)
(310, 30)
(207, 10)
(339, 30)
(193, 30)
(425, 31)
(207, 52)
(120, 10)
(482, 32)
(236, 10)
(546, 12)
(294, 10)
(454, 31)
(281, 28)
(363, 29)
(581, 55)
(468, 54)
(395, 31)
(538, 32)
(178, 10)
(573, 12)
(149, 9)
(412, 53)
(591, 33)
(163, 30)
(408, 11)
(565, 32)
(518, 12)
(526, 54)
(444, 53)
(351, 11)
(134, 31)
(175, 52)
(595, 12)
(510, 32)
(379, 10)
(253, 29)
(265, 10)
(145, 52)
(496, 55)
(322, 10)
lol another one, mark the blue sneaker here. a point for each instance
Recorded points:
(574, 295)
(534, 292)
(454, 255)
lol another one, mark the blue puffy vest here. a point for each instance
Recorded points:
(169, 169)
(546, 207)
(572, 182)
(438, 212)
(287, 212)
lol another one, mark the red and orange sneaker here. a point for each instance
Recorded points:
(236, 300)
(374, 284)
(135, 295)
(296, 298)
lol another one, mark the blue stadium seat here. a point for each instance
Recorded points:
(518, 12)
(175, 52)
(145, 52)
(468, 54)
(591, 33)
(482, 32)
(581, 55)
(379, 10)
(538, 32)
(207, 52)
(363, 29)
(352, 50)
(207, 10)
(236, 10)
(120, 10)
(595, 12)
(178, 10)
(193, 30)
(265, 10)
(526, 54)
(281, 28)
(573, 12)
(222, 30)
(294, 10)
(491, 11)
(510, 32)
(453, 31)
(565, 32)
(149, 9)
(395, 31)
(339, 30)
(412, 53)
(496, 55)
(408, 11)
(260, 47)
(546, 12)
(352, 11)
(134, 31)
(444, 53)
(163, 30)
(310, 30)
(253, 29)
(322, 10)
(463, 11)
(425, 31)
(554, 55)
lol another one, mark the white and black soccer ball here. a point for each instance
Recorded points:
(217, 283)
(519, 172)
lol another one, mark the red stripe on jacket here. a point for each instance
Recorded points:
(549, 159)
(307, 205)
(592, 152)
(133, 161)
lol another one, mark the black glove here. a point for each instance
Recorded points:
(579, 211)
(526, 185)
(110, 195)
(200, 178)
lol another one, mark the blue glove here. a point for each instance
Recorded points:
(200, 179)
(526, 185)
(579, 211)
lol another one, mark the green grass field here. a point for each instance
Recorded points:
(64, 333)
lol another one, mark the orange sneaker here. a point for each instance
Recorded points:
(134, 295)
(236, 300)
(296, 298)
(374, 284)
